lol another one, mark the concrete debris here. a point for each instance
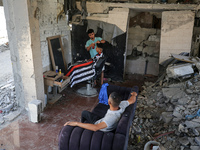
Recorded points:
(4, 47)
(197, 140)
(184, 141)
(167, 116)
(12, 115)
(9, 109)
(194, 147)
(162, 108)
(182, 70)
(1, 120)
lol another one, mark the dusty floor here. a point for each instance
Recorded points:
(21, 134)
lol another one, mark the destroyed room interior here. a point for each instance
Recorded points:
(62, 58)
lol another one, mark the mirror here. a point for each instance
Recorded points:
(57, 53)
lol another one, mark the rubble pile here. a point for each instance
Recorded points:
(168, 113)
(8, 103)
(4, 47)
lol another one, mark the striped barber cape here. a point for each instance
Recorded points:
(80, 71)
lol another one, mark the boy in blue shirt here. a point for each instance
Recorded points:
(91, 43)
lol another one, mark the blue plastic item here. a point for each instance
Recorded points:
(103, 96)
(192, 116)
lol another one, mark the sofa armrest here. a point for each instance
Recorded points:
(76, 138)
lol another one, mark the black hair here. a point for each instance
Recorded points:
(90, 31)
(100, 45)
(116, 99)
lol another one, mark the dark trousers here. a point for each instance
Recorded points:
(89, 117)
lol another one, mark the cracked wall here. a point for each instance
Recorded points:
(143, 43)
(50, 25)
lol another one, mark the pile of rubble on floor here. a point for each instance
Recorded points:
(168, 112)
(9, 109)
(4, 47)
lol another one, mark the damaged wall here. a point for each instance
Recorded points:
(147, 43)
(176, 33)
(143, 43)
(112, 23)
(103, 12)
(51, 25)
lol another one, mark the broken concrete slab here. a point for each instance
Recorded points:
(175, 93)
(1, 120)
(7, 108)
(195, 147)
(184, 141)
(183, 101)
(192, 124)
(12, 115)
(177, 114)
(179, 70)
(197, 140)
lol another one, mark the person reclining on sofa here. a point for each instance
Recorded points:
(109, 122)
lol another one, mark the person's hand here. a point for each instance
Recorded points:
(71, 123)
(92, 45)
(134, 94)
(132, 99)
(102, 41)
(98, 42)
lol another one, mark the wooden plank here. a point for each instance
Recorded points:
(186, 58)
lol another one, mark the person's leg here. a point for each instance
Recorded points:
(89, 117)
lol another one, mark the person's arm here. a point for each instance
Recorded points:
(89, 47)
(102, 41)
(93, 127)
(132, 99)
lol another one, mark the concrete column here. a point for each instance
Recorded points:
(24, 40)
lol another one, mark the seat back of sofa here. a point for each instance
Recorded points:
(123, 126)
(123, 91)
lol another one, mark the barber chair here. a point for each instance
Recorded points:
(89, 91)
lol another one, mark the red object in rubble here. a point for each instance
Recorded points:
(1, 111)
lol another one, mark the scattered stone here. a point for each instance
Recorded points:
(192, 141)
(197, 140)
(184, 141)
(167, 104)
(196, 132)
(8, 102)
(167, 116)
(1, 120)
(172, 92)
(192, 124)
(12, 115)
(177, 114)
(194, 147)
(183, 101)
(189, 83)
(180, 128)
(189, 91)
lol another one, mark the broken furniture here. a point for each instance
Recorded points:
(76, 138)
(51, 80)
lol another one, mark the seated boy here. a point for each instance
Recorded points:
(109, 122)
